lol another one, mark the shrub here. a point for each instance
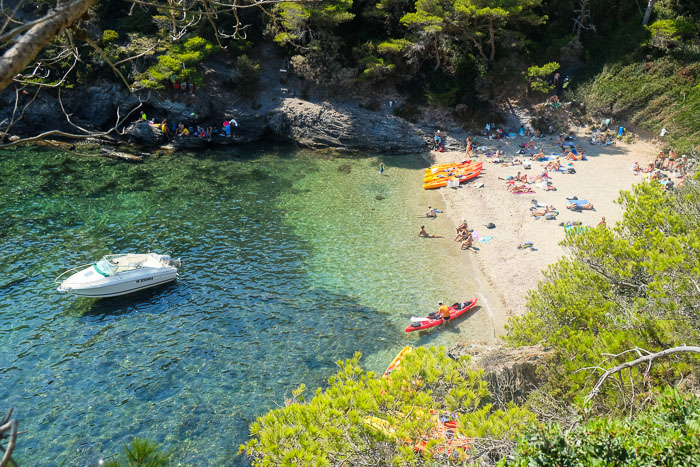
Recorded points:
(538, 77)
(666, 434)
(180, 61)
(363, 419)
(109, 35)
(140, 453)
(249, 71)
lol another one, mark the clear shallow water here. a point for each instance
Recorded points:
(293, 260)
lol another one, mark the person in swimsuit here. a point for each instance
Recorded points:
(425, 234)
(466, 244)
(445, 312)
(381, 168)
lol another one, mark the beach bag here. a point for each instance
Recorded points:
(550, 217)
(490, 225)
(571, 170)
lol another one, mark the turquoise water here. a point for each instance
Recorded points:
(293, 260)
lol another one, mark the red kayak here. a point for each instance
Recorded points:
(458, 309)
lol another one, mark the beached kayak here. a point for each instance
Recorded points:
(397, 361)
(456, 310)
(446, 173)
(440, 167)
(468, 175)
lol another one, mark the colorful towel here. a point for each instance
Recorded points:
(578, 201)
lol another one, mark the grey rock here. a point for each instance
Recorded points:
(342, 127)
(144, 133)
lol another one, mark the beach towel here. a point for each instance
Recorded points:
(578, 201)
(485, 239)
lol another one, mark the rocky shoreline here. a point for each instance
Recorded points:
(342, 124)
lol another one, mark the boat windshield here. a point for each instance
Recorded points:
(105, 268)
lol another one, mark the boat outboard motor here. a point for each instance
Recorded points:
(165, 259)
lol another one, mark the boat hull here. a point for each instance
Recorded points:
(114, 287)
(455, 312)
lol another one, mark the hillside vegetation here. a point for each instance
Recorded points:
(465, 55)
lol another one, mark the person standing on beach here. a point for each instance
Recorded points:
(381, 168)
(444, 311)
(469, 145)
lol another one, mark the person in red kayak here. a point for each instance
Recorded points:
(445, 312)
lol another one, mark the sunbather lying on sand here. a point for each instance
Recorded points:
(524, 188)
(585, 207)
(573, 157)
(542, 211)
(510, 164)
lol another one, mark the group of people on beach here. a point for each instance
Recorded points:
(171, 131)
(677, 166)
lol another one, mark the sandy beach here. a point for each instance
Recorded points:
(504, 271)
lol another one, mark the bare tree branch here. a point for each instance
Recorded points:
(28, 46)
(107, 60)
(8, 425)
(644, 359)
(101, 134)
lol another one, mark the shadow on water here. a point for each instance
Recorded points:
(142, 301)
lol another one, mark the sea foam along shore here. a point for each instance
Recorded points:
(507, 271)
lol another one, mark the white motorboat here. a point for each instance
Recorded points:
(115, 275)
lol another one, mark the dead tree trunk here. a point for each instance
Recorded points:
(31, 42)
(647, 14)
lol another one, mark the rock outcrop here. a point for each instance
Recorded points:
(322, 125)
(142, 132)
(511, 373)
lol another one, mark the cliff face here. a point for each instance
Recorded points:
(314, 124)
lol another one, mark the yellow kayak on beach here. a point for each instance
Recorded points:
(441, 167)
(470, 174)
(445, 174)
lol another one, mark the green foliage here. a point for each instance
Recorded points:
(180, 61)
(375, 69)
(659, 93)
(394, 46)
(109, 36)
(538, 77)
(141, 453)
(621, 288)
(666, 434)
(443, 99)
(670, 32)
(362, 418)
(249, 75)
